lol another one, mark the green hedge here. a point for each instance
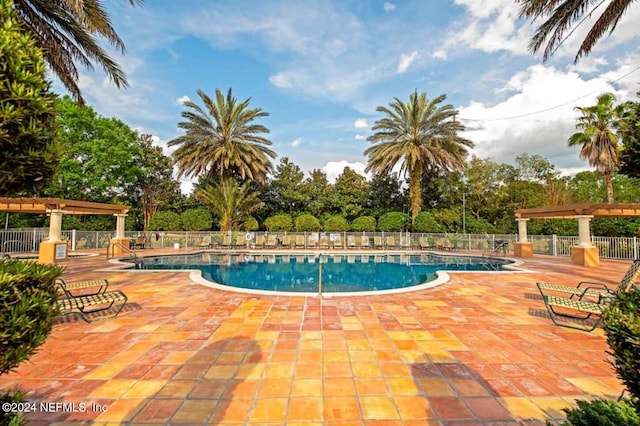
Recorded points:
(165, 221)
(427, 222)
(307, 222)
(394, 221)
(27, 299)
(364, 223)
(279, 223)
(336, 224)
(195, 220)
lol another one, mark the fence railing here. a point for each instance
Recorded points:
(28, 241)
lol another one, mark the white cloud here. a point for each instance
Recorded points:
(360, 137)
(406, 61)
(182, 100)
(296, 142)
(361, 123)
(440, 54)
(280, 80)
(538, 89)
(333, 169)
(388, 6)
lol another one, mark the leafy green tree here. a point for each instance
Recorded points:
(318, 192)
(336, 224)
(598, 138)
(101, 156)
(196, 220)
(394, 222)
(364, 223)
(307, 222)
(222, 140)
(418, 135)
(284, 192)
(27, 136)
(350, 193)
(630, 134)
(250, 224)
(166, 221)
(69, 31)
(563, 17)
(427, 222)
(155, 187)
(279, 223)
(231, 204)
(385, 194)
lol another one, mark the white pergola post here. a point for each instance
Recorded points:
(522, 230)
(120, 225)
(584, 232)
(55, 225)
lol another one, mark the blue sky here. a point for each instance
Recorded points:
(320, 68)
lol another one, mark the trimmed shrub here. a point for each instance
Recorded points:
(250, 224)
(196, 220)
(394, 222)
(165, 221)
(279, 223)
(622, 327)
(336, 223)
(364, 223)
(307, 222)
(476, 225)
(601, 412)
(426, 222)
(8, 417)
(28, 294)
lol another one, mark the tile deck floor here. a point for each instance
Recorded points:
(478, 350)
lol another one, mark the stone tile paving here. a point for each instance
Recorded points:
(478, 350)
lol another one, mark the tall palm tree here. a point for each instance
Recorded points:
(68, 31)
(419, 135)
(564, 16)
(221, 140)
(598, 137)
(229, 202)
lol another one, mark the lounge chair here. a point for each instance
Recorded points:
(85, 306)
(390, 242)
(324, 241)
(226, 241)
(206, 242)
(240, 241)
(140, 242)
(287, 241)
(424, 243)
(351, 241)
(272, 241)
(89, 302)
(364, 242)
(377, 242)
(299, 241)
(260, 240)
(586, 301)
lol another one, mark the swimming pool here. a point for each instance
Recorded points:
(340, 272)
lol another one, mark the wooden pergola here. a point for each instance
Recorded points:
(584, 253)
(54, 248)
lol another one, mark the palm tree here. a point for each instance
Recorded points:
(598, 137)
(562, 16)
(229, 202)
(222, 140)
(67, 31)
(418, 135)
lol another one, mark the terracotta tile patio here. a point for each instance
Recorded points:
(477, 350)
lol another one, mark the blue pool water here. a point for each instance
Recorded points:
(340, 273)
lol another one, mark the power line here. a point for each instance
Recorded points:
(528, 114)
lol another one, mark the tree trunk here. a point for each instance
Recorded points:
(415, 192)
(607, 178)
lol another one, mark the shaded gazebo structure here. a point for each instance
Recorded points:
(54, 248)
(585, 253)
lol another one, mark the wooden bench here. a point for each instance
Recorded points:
(67, 288)
(90, 304)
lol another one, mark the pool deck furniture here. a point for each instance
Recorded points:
(206, 242)
(585, 300)
(88, 306)
(97, 286)
(140, 242)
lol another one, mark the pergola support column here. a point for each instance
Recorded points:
(53, 248)
(585, 253)
(523, 248)
(120, 243)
